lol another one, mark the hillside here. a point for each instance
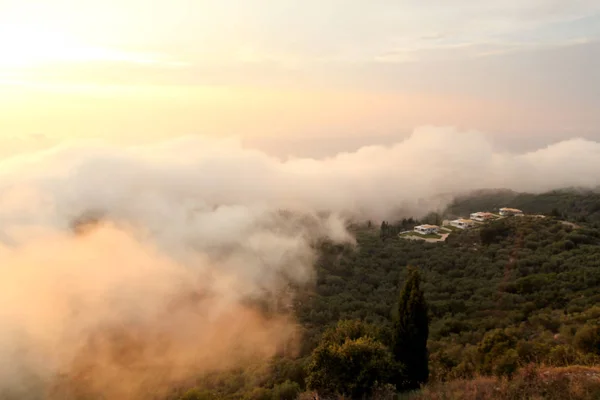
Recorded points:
(531, 279)
(506, 295)
(574, 205)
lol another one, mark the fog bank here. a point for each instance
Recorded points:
(195, 229)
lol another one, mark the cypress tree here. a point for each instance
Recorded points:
(384, 230)
(410, 333)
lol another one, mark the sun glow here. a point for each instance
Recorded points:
(26, 46)
(23, 46)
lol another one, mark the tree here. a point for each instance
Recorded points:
(587, 339)
(287, 390)
(410, 334)
(348, 363)
(489, 234)
(385, 230)
(349, 329)
(507, 364)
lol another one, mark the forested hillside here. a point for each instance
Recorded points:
(573, 205)
(524, 280)
(501, 297)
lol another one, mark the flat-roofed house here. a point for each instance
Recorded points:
(462, 223)
(426, 229)
(508, 212)
(482, 216)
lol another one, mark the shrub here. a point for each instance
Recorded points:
(507, 364)
(587, 339)
(288, 390)
(353, 368)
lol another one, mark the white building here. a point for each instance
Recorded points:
(462, 223)
(507, 212)
(482, 216)
(426, 229)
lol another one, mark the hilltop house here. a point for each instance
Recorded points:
(462, 223)
(482, 216)
(508, 212)
(426, 229)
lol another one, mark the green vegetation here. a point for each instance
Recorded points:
(512, 292)
(410, 330)
(350, 361)
(571, 205)
(355, 360)
(502, 298)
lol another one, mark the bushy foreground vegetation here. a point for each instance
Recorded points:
(502, 298)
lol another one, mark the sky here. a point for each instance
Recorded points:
(297, 77)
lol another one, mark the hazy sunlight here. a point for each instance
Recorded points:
(26, 47)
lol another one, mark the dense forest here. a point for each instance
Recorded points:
(500, 298)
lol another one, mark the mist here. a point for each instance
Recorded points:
(124, 271)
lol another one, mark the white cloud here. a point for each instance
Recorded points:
(367, 182)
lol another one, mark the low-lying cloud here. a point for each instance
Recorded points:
(184, 237)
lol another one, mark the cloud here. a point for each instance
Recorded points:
(106, 314)
(134, 183)
(127, 270)
(169, 287)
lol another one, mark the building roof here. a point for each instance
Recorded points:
(468, 221)
(425, 226)
(511, 209)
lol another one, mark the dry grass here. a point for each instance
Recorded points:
(531, 383)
